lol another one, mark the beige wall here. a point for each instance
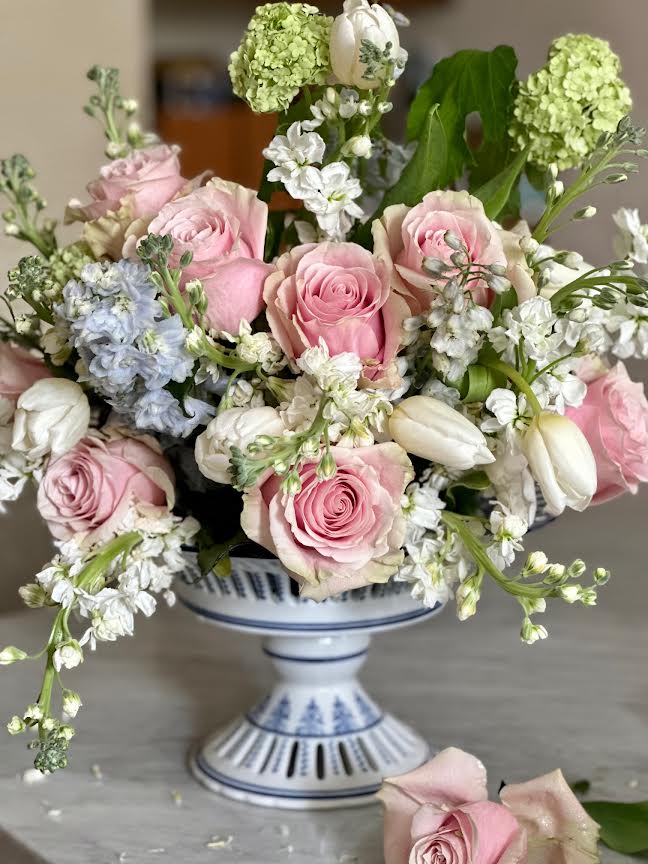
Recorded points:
(46, 48)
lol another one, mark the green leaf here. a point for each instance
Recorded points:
(624, 827)
(479, 382)
(495, 193)
(214, 557)
(424, 172)
(469, 81)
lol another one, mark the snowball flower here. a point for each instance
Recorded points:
(51, 417)
(285, 47)
(561, 110)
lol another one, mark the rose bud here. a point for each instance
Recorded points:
(561, 462)
(432, 430)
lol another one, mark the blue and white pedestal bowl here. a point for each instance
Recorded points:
(317, 739)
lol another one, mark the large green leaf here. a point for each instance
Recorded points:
(424, 172)
(624, 827)
(495, 193)
(469, 81)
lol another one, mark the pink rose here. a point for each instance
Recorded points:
(559, 830)
(90, 488)
(224, 226)
(340, 293)
(127, 195)
(146, 180)
(440, 814)
(19, 370)
(614, 419)
(336, 534)
(405, 236)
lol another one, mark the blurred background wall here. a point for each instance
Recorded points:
(173, 58)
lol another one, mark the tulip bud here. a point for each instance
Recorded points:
(561, 462)
(362, 24)
(432, 430)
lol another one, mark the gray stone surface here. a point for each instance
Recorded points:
(578, 701)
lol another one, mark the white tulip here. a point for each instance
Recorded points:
(234, 427)
(361, 22)
(432, 430)
(51, 417)
(561, 461)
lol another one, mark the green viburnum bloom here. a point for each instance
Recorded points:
(561, 110)
(285, 47)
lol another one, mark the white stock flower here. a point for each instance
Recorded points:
(330, 194)
(507, 530)
(293, 151)
(234, 427)
(361, 23)
(67, 655)
(51, 417)
(429, 428)
(423, 506)
(340, 372)
(423, 569)
(631, 239)
(531, 324)
(561, 461)
(71, 703)
(437, 389)
(261, 348)
(627, 325)
(512, 482)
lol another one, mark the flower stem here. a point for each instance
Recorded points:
(519, 380)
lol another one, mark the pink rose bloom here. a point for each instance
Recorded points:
(340, 293)
(90, 489)
(440, 814)
(336, 534)
(405, 236)
(224, 226)
(19, 370)
(145, 181)
(614, 419)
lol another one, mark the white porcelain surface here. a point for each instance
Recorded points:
(317, 740)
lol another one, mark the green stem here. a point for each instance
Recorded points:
(519, 380)
(456, 524)
(580, 185)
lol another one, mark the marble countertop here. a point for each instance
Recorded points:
(578, 701)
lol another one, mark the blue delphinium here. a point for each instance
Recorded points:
(130, 349)
(161, 411)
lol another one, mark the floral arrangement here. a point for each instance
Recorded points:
(372, 384)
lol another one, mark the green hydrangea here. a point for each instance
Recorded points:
(561, 110)
(285, 47)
